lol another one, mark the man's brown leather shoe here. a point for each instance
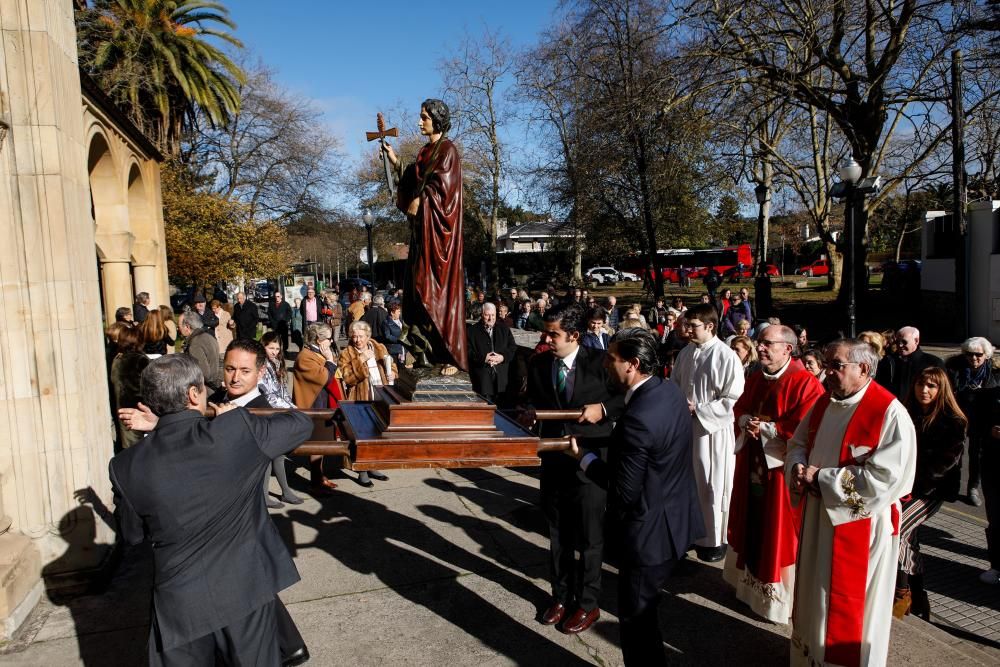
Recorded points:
(580, 621)
(554, 614)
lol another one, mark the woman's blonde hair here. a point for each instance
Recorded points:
(876, 340)
(748, 345)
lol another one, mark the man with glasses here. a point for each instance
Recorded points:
(711, 375)
(763, 523)
(851, 459)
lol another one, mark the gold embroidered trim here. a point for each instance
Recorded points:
(853, 499)
(766, 591)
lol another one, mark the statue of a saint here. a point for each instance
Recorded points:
(430, 193)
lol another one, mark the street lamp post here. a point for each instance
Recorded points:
(762, 283)
(850, 174)
(368, 219)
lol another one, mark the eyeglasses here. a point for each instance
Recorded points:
(838, 365)
(977, 355)
(688, 325)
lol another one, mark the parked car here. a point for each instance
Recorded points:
(820, 267)
(602, 275)
(625, 276)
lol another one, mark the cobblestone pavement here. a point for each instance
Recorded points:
(954, 548)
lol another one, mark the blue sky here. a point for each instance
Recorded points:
(355, 59)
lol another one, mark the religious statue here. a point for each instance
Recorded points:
(430, 194)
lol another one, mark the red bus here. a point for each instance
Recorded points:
(698, 262)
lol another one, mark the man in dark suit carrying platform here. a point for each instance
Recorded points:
(570, 376)
(652, 495)
(192, 488)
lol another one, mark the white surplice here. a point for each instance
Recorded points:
(711, 376)
(878, 483)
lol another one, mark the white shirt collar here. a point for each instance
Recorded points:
(851, 400)
(570, 359)
(781, 371)
(707, 344)
(247, 397)
(631, 390)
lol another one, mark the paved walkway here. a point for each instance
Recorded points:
(442, 567)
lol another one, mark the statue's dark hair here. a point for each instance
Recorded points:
(568, 315)
(640, 344)
(439, 113)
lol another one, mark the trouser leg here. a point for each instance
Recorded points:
(278, 467)
(975, 463)
(638, 611)
(560, 540)
(590, 502)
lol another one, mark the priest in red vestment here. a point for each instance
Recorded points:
(763, 523)
(430, 193)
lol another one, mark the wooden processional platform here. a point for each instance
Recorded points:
(428, 422)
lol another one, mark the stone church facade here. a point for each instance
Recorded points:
(81, 231)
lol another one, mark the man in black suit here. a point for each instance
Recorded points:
(595, 336)
(192, 488)
(279, 318)
(245, 316)
(652, 492)
(571, 376)
(491, 349)
(910, 361)
(140, 308)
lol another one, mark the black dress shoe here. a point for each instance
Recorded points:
(581, 621)
(554, 614)
(380, 476)
(364, 481)
(711, 554)
(299, 657)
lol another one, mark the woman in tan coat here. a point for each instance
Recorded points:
(364, 365)
(224, 330)
(315, 367)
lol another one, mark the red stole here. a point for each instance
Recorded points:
(763, 523)
(851, 541)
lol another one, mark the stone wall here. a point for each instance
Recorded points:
(55, 428)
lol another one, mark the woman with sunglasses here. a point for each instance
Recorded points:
(970, 373)
(940, 426)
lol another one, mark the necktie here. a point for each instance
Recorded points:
(561, 371)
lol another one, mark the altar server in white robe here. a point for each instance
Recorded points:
(852, 458)
(711, 376)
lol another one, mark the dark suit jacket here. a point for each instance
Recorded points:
(906, 369)
(590, 340)
(590, 385)
(488, 380)
(245, 315)
(279, 316)
(192, 488)
(651, 488)
(376, 317)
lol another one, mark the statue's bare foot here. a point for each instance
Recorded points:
(448, 369)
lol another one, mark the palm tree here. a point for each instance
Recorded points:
(153, 58)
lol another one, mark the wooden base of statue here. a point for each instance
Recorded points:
(433, 421)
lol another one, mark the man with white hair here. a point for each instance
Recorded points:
(909, 362)
(851, 459)
(375, 316)
(491, 349)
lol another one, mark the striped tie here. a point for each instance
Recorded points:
(561, 371)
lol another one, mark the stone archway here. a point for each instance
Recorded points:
(111, 219)
(143, 226)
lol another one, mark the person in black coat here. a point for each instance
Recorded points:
(569, 376)
(245, 316)
(491, 350)
(279, 316)
(140, 309)
(376, 317)
(192, 488)
(595, 336)
(909, 362)
(652, 496)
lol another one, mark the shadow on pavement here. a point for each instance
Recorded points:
(379, 541)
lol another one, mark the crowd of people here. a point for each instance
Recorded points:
(808, 469)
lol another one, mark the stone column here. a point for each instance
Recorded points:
(115, 254)
(55, 425)
(145, 257)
